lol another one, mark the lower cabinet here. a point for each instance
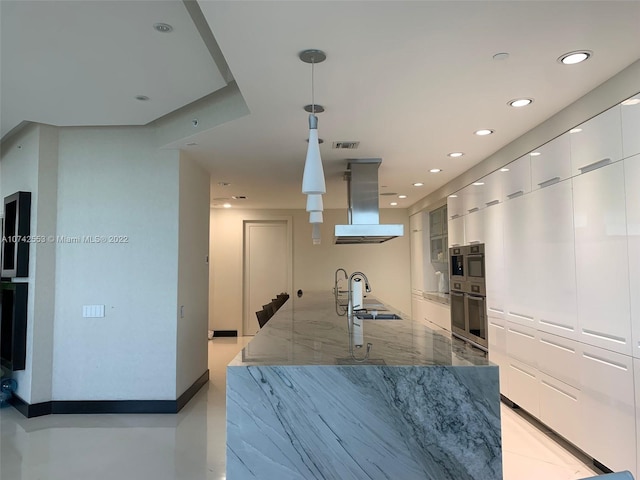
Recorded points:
(560, 408)
(497, 340)
(437, 313)
(523, 383)
(522, 343)
(608, 423)
(559, 358)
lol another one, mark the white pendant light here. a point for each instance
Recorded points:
(313, 178)
(315, 217)
(315, 233)
(314, 203)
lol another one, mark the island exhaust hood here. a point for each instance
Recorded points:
(364, 218)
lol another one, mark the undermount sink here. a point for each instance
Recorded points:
(379, 316)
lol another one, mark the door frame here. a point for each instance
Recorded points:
(267, 219)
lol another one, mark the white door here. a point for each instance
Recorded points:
(267, 267)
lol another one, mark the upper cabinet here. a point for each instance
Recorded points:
(492, 190)
(596, 142)
(517, 177)
(631, 126)
(455, 208)
(551, 163)
(472, 197)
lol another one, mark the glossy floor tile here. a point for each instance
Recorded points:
(191, 444)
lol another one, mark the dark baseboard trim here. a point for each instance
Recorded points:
(191, 391)
(508, 402)
(602, 467)
(109, 406)
(225, 333)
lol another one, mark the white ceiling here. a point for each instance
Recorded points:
(410, 80)
(71, 63)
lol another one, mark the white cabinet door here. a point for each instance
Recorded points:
(632, 189)
(553, 255)
(455, 207)
(494, 259)
(519, 262)
(456, 232)
(492, 189)
(417, 256)
(551, 163)
(522, 343)
(559, 358)
(602, 260)
(636, 371)
(473, 197)
(474, 227)
(598, 140)
(631, 128)
(607, 414)
(560, 408)
(517, 179)
(523, 382)
(497, 340)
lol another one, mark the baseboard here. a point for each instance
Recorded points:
(108, 406)
(225, 333)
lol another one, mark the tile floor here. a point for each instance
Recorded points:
(191, 444)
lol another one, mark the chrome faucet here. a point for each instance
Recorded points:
(355, 326)
(350, 290)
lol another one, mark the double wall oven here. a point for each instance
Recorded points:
(468, 294)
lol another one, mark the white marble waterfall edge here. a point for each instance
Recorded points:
(363, 422)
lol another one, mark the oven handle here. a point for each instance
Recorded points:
(457, 294)
(475, 297)
(475, 254)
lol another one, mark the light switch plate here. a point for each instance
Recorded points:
(93, 311)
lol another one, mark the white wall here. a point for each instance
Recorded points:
(193, 274)
(113, 181)
(386, 265)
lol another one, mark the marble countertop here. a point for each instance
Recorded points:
(308, 331)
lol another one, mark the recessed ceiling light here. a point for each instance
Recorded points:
(504, 169)
(418, 184)
(520, 102)
(402, 196)
(227, 205)
(453, 196)
(191, 144)
(435, 170)
(477, 184)
(238, 197)
(484, 131)
(572, 58)
(393, 204)
(455, 154)
(535, 154)
(224, 184)
(163, 27)
(631, 101)
(575, 130)
(142, 98)
(320, 140)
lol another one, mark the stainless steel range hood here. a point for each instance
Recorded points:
(364, 218)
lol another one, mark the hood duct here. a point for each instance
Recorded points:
(364, 218)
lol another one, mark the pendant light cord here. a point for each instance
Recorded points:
(313, 102)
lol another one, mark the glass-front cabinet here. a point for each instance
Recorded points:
(438, 235)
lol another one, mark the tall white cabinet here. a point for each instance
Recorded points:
(561, 227)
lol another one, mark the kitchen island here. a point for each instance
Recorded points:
(300, 406)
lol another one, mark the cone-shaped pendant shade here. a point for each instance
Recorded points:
(313, 178)
(314, 203)
(315, 217)
(315, 233)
